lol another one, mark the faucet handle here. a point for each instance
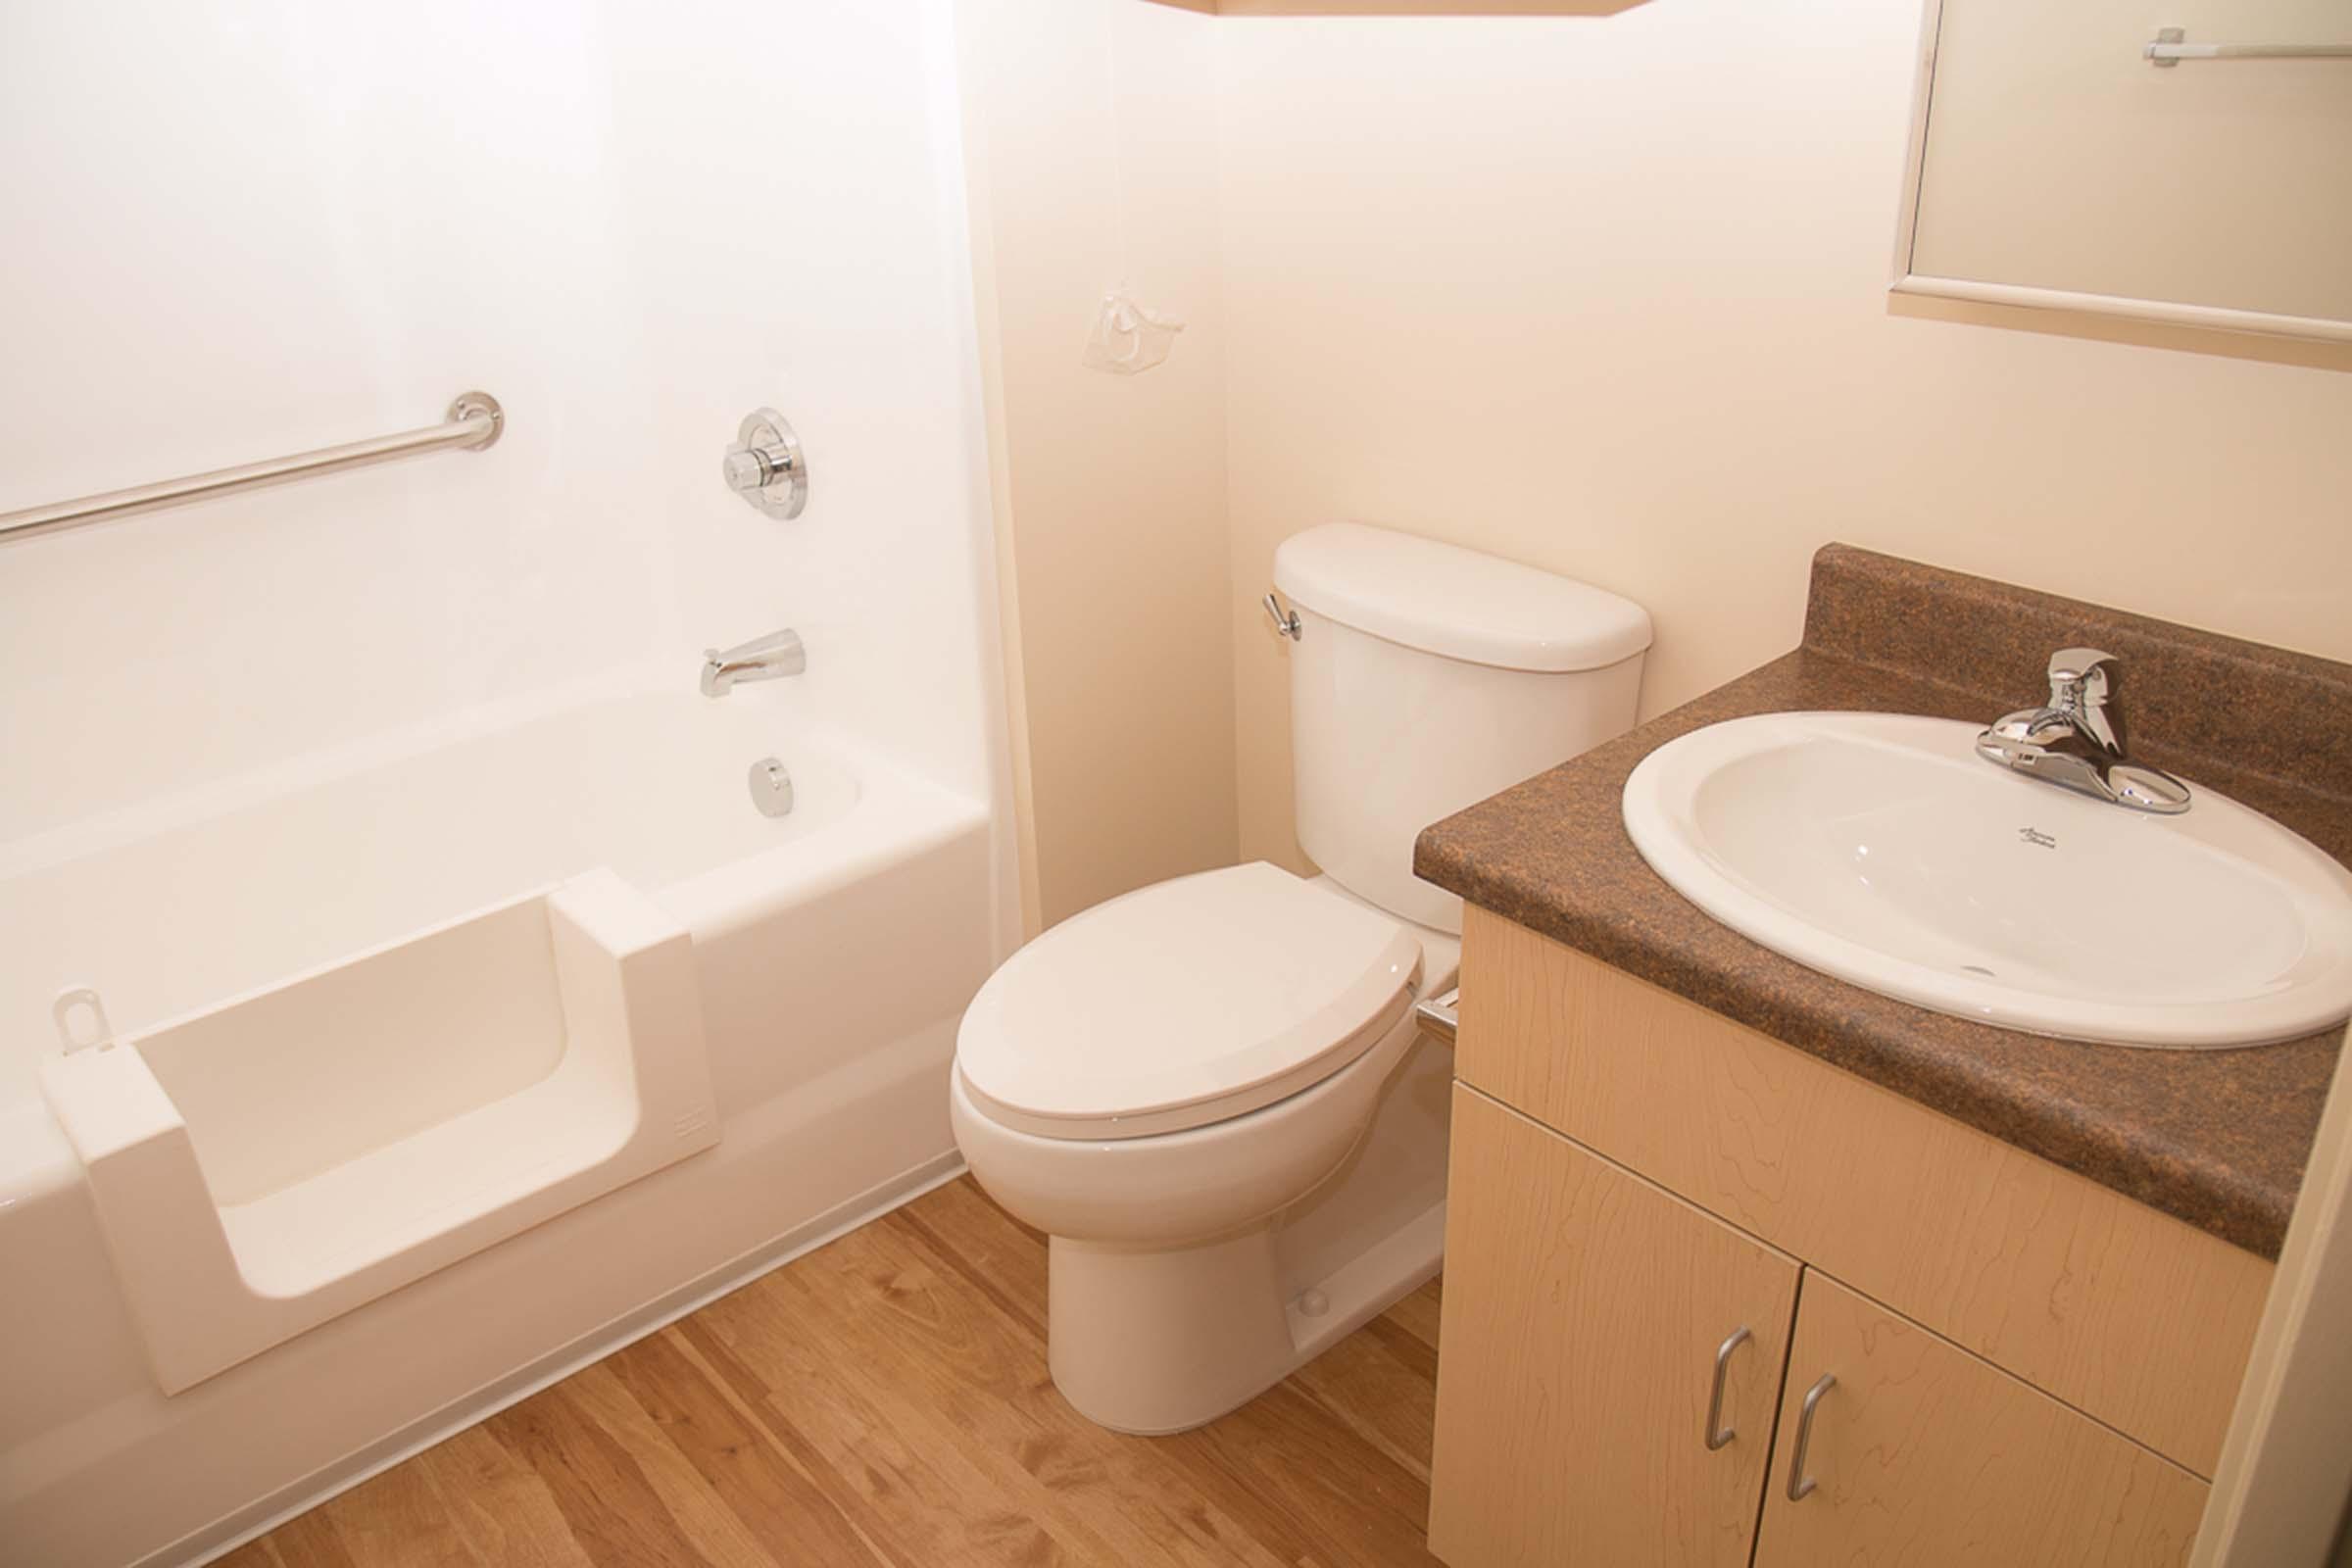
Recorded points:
(2078, 687)
(2069, 666)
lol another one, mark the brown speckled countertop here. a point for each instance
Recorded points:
(2218, 1138)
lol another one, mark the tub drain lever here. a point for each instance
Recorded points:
(772, 787)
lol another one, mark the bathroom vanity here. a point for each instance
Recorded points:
(1744, 1263)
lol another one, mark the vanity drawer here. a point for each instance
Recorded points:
(2130, 1315)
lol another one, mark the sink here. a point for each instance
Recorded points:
(1880, 848)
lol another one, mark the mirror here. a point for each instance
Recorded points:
(2076, 157)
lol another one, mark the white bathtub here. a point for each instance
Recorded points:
(833, 950)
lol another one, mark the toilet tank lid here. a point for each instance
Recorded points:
(1458, 603)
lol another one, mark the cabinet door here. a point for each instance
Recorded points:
(1578, 1357)
(1922, 1455)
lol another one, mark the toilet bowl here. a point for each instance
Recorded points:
(1210, 1093)
(1154, 1084)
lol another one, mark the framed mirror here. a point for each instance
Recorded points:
(2073, 157)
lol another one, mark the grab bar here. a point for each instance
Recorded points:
(2170, 50)
(473, 422)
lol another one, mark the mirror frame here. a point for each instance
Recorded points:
(2171, 312)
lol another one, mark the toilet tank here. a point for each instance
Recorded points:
(1426, 677)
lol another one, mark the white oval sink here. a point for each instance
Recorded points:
(1880, 848)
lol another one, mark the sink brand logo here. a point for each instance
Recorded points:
(2037, 837)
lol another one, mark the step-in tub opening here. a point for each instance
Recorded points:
(356, 1166)
(277, 1159)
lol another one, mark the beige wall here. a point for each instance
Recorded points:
(1091, 146)
(1608, 295)
(1603, 293)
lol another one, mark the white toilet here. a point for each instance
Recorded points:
(1210, 1092)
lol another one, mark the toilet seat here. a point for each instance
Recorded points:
(1183, 1003)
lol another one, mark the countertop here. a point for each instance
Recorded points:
(2218, 1138)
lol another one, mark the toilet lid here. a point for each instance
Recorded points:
(1183, 1003)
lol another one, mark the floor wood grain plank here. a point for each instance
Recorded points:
(1351, 1503)
(776, 1498)
(701, 1516)
(753, 1401)
(501, 1505)
(309, 1540)
(932, 1504)
(1382, 1382)
(398, 1520)
(884, 1402)
(611, 1509)
(1417, 1313)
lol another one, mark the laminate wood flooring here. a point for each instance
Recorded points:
(883, 1402)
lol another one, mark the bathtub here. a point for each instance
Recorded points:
(829, 952)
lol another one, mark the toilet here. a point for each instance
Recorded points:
(1211, 1094)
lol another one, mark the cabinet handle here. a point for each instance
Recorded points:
(1717, 1433)
(1801, 1485)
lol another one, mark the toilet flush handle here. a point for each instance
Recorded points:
(1440, 1016)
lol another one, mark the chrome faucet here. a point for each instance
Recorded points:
(2076, 740)
(779, 652)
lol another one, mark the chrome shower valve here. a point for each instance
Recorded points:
(765, 465)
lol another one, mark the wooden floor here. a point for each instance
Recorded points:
(885, 1401)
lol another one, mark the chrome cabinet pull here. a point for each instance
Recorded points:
(1801, 1485)
(1717, 1433)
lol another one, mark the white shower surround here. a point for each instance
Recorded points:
(255, 736)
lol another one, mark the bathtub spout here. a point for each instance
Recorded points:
(762, 659)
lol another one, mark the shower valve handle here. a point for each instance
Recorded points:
(765, 465)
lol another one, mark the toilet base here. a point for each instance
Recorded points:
(1159, 1340)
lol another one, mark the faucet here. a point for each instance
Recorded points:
(779, 652)
(2076, 740)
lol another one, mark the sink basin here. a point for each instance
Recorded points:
(1880, 848)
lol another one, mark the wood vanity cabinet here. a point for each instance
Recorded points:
(1581, 1330)
(2025, 1367)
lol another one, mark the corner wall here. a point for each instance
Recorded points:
(1091, 148)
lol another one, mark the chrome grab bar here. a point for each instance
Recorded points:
(2170, 50)
(473, 422)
